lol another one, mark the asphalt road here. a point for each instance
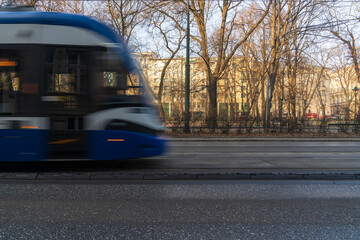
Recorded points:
(261, 154)
(180, 210)
(199, 157)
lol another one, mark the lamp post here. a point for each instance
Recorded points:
(187, 74)
(355, 93)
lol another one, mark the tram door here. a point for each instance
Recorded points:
(66, 101)
(9, 83)
(23, 129)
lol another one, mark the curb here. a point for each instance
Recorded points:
(181, 176)
(252, 139)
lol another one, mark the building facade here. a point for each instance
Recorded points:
(241, 89)
(342, 98)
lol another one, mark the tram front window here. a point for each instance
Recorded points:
(9, 84)
(118, 86)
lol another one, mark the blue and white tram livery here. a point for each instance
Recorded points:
(70, 89)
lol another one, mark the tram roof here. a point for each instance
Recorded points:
(72, 20)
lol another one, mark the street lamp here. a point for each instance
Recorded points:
(355, 93)
(187, 74)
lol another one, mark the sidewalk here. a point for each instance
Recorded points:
(263, 139)
(191, 174)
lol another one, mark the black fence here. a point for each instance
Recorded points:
(255, 126)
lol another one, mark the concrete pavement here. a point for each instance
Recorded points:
(261, 138)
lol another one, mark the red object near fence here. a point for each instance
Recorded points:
(311, 115)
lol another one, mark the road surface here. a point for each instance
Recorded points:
(180, 210)
(261, 154)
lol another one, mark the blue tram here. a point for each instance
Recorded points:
(70, 89)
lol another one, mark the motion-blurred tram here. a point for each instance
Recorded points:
(70, 89)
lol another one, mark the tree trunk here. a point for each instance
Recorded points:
(212, 108)
(272, 67)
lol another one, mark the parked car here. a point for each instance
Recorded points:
(311, 115)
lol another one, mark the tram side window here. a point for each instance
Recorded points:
(66, 71)
(9, 85)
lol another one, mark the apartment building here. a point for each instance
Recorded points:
(230, 99)
(313, 91)
(241, 89)
(342, 98)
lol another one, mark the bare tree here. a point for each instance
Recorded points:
(345, 28)
(221, 53)
(256, 52)
(343, 80)
(123, 15)
(4, 2)
(79, 7)
(170, 44)
(290, 22)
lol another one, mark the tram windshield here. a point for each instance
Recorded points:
(120, 83)
(118, 86)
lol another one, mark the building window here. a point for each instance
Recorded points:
(244, 107)
(223, 111)
(166, 109)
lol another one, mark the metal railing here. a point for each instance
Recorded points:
(255, 126)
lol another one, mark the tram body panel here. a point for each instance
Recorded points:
(115, 144)
(23, 144)
(49, 34)
(142, 116)
(124, 133)
(64, 82)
